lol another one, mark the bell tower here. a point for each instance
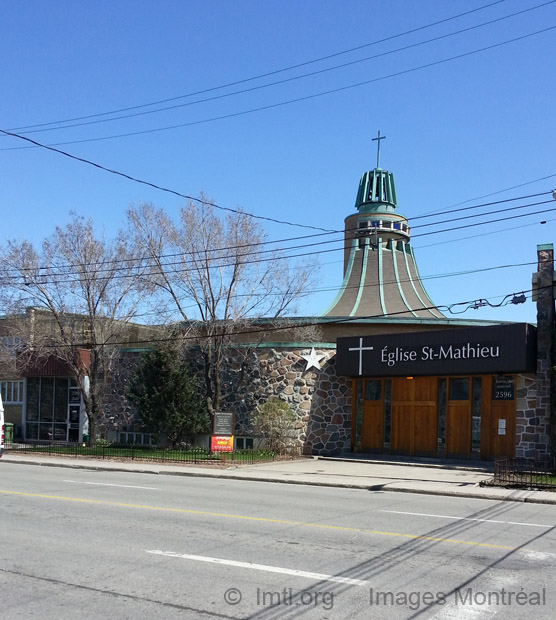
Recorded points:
(380, 273)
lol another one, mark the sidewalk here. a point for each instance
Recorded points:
(355, 473)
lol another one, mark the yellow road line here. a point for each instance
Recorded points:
(260, 519)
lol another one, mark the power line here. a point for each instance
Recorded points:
(301, 237)
(500, 191)
(159, 187)
(484, 204)
(263, 75)
(501, 219)
(291, 324)
(465, 217)
(290, 79)
(290, 101)
(138, 263)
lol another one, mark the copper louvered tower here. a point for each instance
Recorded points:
(380, 273)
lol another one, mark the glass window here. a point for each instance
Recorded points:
(45, 431)
(358, 412)
(12, 392)
(476, 415)
(459, 388)
(47, 400)
(387, 411)
(60, 432)
(61, 400)
(396, 226)
(373, 389)
(441, 414)
(46, 411)
(32, 431)
(33, 392)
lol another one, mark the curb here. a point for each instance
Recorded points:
(451, 466)
(317, 483)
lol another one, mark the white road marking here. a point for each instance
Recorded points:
(107, 484)
(263, 567)
(538, 555)
(424, 514)
(471, 612)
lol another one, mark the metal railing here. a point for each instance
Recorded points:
(523, 473)
(192, 455)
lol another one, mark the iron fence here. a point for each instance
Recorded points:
(523, 473)
(192, 455)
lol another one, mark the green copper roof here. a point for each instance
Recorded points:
(377, 192)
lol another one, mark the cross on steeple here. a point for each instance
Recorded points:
(378, 139)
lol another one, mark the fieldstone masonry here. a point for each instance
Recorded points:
(542, 442)
(529, 432)
(118, 411)
(320, 399)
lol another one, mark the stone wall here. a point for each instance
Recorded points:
(320, 400)
(531, 430)
(545, 416)
(118, 411)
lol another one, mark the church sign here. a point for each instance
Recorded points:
(223, 423)
(476, 350)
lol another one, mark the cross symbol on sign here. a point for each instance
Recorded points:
(360, 348)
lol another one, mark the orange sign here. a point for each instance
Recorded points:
(220, 443)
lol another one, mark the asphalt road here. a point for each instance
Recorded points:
(84, 544)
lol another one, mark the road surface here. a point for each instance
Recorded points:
(89, 544)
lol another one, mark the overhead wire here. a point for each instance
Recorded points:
(159, 187)
(294, 78)
(154, 268)
(290, 101)
(286, 324)
(268, 73)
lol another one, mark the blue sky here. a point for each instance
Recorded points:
(455, 131)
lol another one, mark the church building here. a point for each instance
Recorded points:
(400, 378)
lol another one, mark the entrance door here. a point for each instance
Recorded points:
(502, 429)
(372, 430)
(414, 418)
(402, 415)
(458, 417)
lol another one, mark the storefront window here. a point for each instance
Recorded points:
(47, 400)
(61, 400)
(46, 412)
(33, 391)
(32, 431)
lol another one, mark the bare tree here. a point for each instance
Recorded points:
(81, 292)
(217, 276)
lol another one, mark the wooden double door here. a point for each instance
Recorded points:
(437, 416)
(400, 416)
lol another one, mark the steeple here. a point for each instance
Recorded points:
(380, 273)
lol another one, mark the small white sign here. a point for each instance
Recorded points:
(501, 427)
